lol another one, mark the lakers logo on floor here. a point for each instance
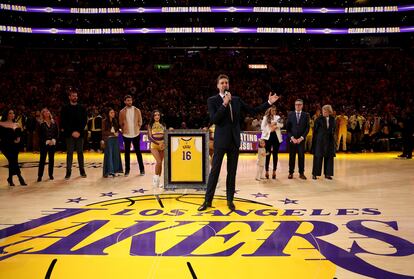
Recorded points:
(162, 236)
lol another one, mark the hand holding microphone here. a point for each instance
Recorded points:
(227, 97)
(227, 101)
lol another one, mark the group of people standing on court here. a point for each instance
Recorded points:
(225, 114)
(297, 127)
(73, 122)
(129, 124)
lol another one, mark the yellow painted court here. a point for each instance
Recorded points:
(359, 225)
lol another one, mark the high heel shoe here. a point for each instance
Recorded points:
(10, 181)
(267, 175)
(21, 180)
(274, 175)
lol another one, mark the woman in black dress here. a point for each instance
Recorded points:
(10, 134)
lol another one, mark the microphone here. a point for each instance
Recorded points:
(226, 92)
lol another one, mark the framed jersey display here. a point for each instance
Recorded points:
(186, 159)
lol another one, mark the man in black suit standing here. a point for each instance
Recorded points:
(73, 123)
(297, 127)
(224, 110)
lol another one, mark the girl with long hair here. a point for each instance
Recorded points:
(10, 135)
(271, 125)
(156, 131)
(112, 155)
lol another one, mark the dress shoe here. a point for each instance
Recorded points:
(402, 156)
(39, 179)
(83, 175)
(267, 175)
(67, 176)
(204, 206)
(302, 176)
(231, 205)
(328, 177)
(290, 176)
(126, 173)
(21, 180)
(142, 173)
(10, 181)
(314, 177)
(51, 177)
(274, 175)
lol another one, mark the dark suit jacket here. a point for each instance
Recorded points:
(227, 131)
(323, 139)
(48, 133)
(73, 118)
(297, 130)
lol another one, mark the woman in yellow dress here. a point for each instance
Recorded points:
(156, 136)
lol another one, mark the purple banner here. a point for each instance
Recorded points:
(206, 30)
(207, 9)
(248, 141)
(144, 143)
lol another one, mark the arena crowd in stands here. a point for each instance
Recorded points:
(376, 84)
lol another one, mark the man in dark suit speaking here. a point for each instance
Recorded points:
(297, 127)
(224, 110)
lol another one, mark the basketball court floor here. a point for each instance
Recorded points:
(358, 225)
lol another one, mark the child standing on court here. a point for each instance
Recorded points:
(261, 158)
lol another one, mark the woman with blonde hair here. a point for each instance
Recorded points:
(272, 135)
(323, 144)
(48, 135)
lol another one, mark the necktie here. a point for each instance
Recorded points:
(327, 122)
(231, 111)
(297, 117)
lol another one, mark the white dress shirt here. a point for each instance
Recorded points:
(130, 118)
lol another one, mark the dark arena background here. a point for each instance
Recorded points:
(135, 89)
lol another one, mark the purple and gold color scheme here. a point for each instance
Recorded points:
(208, 9)
(135, 237)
